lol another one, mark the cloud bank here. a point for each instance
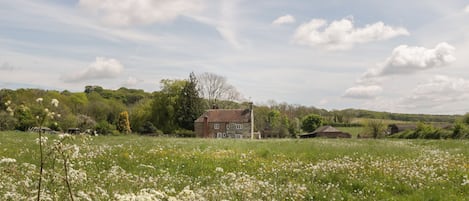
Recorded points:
(342, 34)
(139, 12)
(286, 19)
(102, 68)
(406, 60)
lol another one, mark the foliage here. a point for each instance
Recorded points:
(148, 128)
(25, 118)
(7, 122)
(190, 104)
(164, 105)
(184, 133)
(425, 131)
(375, 128)
(311, 122)
(104, 128)
(123, 124)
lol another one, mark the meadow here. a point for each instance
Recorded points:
(153, 168)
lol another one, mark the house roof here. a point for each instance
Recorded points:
(226, 115)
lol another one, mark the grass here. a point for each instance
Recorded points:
(137, 168)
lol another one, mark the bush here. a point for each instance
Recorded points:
(7, 122)
(105, 128)
(147, 128)
(184, 133)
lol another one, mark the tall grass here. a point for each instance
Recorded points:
(137, 168)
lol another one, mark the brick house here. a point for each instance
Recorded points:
(224, 123)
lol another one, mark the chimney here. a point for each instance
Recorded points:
(205, 134)
(251, 109)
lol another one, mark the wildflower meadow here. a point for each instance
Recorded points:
(132, 167)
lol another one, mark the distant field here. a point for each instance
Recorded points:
(354, 131)
(152, 168)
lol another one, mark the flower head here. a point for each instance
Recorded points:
(54, 102)
(39, 100)
(7, 103)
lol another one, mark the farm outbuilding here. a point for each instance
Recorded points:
(328, 132)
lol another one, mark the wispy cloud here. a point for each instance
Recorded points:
(342, 34)
(102, 68)
(139, 12)
(7, 67)
(286, 19)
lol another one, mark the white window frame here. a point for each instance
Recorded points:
(216, 126)
(239, 126)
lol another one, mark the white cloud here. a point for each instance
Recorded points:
(102, 68)
(286, 19)
(405, 60)
(363, 92)
(138, 12)
(466, 9)
(439, 89)
(342, 35)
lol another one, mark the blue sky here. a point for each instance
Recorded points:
(397, 56)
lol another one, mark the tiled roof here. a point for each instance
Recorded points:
(225, 115)
(326, 129)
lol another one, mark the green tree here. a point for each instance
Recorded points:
(375, 127)
(311, 122)
(164, 105)
(190, 104)
(25, 118)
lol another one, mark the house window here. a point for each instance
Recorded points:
(239, 126)
(216, 126)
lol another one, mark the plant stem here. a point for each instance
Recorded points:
(66, 178)
(41, 164)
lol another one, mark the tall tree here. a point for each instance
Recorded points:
(214, 87)
(164, 105)
(190, 104)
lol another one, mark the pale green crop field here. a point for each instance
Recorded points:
(151, 168)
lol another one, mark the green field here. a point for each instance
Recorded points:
(151, 168)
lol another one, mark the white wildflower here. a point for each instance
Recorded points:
(219, 169)
(46, 110)
(7, 160)
(54, 102)
(8, 103)
(39, 100)
(43, 140)
(465, 181)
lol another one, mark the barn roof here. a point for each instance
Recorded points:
(226, 115)
(326, 129)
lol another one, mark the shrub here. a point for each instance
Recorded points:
(105, 128)
(184, 133)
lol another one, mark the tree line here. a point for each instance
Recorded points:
(171, 110)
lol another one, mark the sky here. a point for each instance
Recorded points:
(395, 56)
